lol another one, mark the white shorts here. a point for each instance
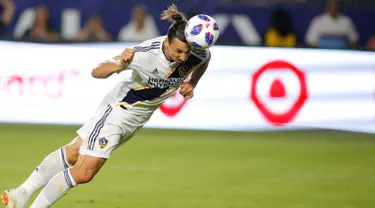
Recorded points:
(106, 131)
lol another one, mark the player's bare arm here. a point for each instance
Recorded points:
(118, 64)
(187, 88)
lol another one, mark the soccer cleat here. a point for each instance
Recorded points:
(12, 199)
(5, 198)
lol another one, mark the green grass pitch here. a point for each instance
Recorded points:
(207, 169)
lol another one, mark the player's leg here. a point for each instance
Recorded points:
(62, 158)
(82, 172)
(99, 142)
(55, 162)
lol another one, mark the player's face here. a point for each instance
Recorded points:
(178, 51)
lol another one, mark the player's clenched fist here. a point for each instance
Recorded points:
(187, 90)
(127, 55)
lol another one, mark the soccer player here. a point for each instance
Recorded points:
(159, 68)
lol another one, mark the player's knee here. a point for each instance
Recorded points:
(85, 177)
(82, 176)
(72, 150)
(72, 158)
(86, 168)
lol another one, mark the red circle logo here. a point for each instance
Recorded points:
(173, 105)
(277, 90)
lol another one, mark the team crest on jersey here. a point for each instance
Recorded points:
(183, 70)
(103, 143)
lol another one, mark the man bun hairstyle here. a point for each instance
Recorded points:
(177, 29)
(177, 17)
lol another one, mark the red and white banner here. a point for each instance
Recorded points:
(244, 88)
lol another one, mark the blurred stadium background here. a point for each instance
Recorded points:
(265, 165)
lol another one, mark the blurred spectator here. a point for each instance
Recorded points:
(7, 9)
(332, 29)
(371, 43)
(94, 30)
(140, 28)
(41, 29)
(281, 33)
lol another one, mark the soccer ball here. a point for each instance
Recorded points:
(201, 31)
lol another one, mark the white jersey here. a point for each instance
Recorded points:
(131, 103)
(154, 79)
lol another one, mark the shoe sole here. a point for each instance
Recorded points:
(5, 198)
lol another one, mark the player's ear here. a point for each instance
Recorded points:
(167, 41)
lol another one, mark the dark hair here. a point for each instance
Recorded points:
(282, 22)
(177, 29)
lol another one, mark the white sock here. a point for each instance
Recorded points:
(51, 165)
(56, 188)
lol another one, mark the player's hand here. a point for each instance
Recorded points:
(127, 56)
(187, 90)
